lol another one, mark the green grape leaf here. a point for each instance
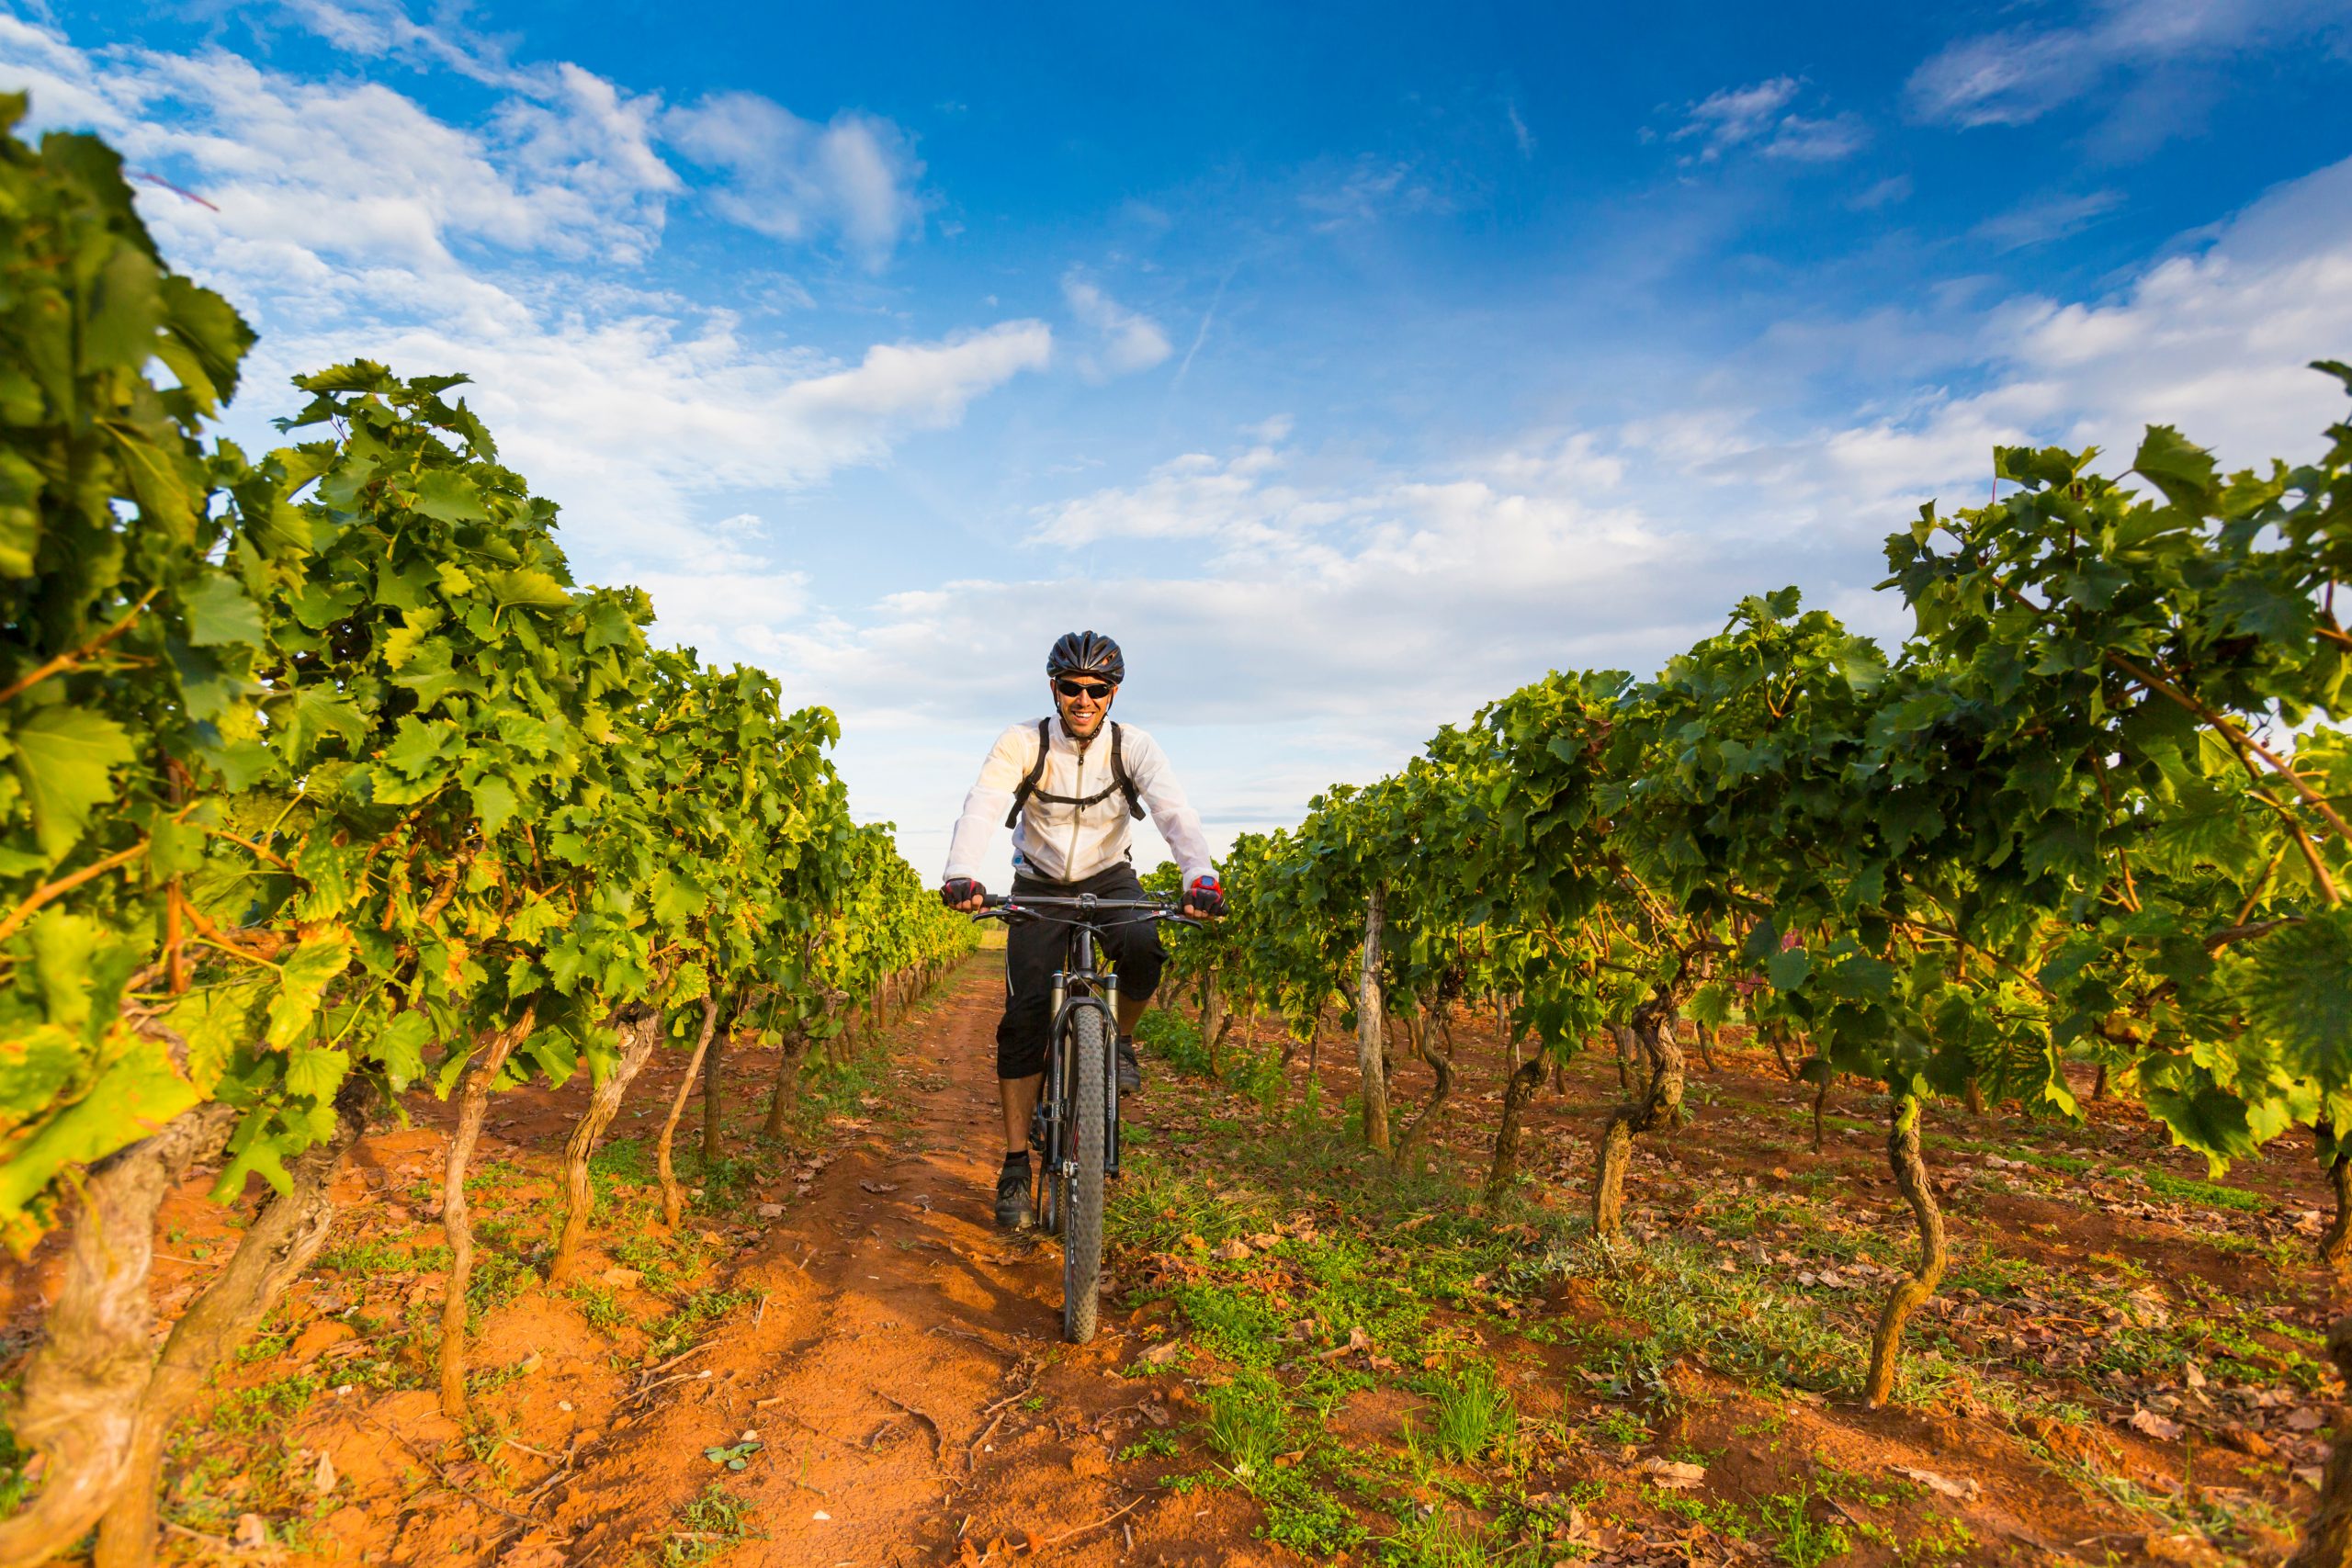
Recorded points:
(535, 589)
(2183, 470)
(139, 1090)
(316, 1071)
(450, 497)
(64, 758)
(399, 1047)
(220, 612)
(303, 978)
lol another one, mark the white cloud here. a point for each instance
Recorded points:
(1885, 192)
(1756, 117)
(305, 176)
(1125, 341)
(1371, 190)
(1822, 140)
(1522, 137)
(2044, 218)
(1392, 600)
(2018, 74)
(854, 177)
(349, 222)
(384, 27)
(1735, 115)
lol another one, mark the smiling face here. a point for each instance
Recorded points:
(1082, 713)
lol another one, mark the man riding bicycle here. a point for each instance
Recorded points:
(1068, 787)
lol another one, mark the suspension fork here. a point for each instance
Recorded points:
(1103, 996)
(1111, 1080)
(1049, 1098)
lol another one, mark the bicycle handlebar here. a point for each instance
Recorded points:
(1005, 906)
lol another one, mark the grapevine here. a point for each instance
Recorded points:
(326, 781)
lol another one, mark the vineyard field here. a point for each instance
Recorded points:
(847, 1275)
(474, 1089)
(2093, 1268)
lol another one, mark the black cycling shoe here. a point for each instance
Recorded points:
(1130, 1070)
(1013, 1212)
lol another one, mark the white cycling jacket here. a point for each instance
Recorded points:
(1067, 843)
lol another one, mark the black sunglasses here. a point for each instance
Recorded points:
(1094, 688)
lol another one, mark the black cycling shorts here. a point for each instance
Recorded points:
(1035, 949)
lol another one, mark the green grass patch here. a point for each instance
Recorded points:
(707, 1527)
(683, 1325)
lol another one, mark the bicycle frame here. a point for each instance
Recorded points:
(1078, 982)
(1081, 1154)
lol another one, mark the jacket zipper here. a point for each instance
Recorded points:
(1077, 793)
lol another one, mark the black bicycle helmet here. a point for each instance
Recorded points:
(1087, 653)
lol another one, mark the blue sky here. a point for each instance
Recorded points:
(1352, 368)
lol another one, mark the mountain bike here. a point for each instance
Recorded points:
(1076, 1127)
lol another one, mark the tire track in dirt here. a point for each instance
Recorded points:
(905, 1373)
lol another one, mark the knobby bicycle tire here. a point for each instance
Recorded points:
(1082, 1191)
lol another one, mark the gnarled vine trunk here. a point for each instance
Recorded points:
(271, 1255)
(1213, 1019)
(714, 1125)
(456, 1223)
(2327, 1539)
(2335, 1246)
(640, 1030)
(1911, 1180)
(1519, 1089)
(1706, 1034)
(1430, 1024)
(1370, 1048)
(1660, 1104)
(79, 1406)
(787, 1072)
(674, 1196)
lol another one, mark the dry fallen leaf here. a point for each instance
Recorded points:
(1965, 1489)
(878, 1186)
(252, 1531)
(1232, 1251)
(2155, 1425)
(1675, 1473)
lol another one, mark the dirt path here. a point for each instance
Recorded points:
(905, 1374)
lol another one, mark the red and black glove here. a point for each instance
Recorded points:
(1205, 897)
(958, 891)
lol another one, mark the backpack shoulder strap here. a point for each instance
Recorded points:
(1119, 776)
(1028, 785)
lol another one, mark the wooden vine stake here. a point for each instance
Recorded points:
(455, 1221)
(1370, 1046)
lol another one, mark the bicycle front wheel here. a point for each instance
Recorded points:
(1081, 1193)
